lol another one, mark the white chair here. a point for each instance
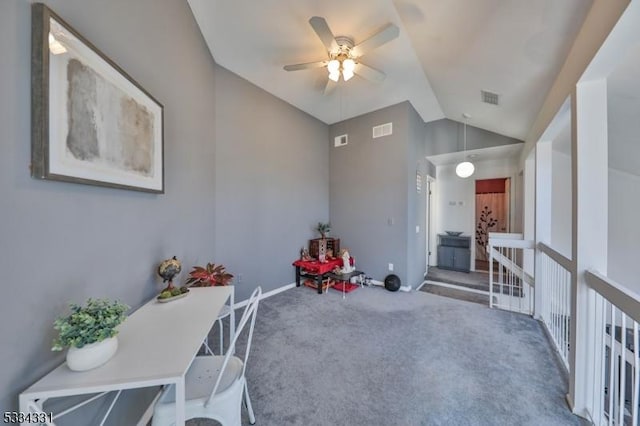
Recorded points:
(214, 384)
(226, 311)
(229, 311)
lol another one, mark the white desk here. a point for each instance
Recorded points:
(156, 346)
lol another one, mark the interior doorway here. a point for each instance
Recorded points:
(430, 187)
(492, 214)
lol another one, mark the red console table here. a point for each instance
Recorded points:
(315, 270)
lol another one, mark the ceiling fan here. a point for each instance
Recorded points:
(343, 55)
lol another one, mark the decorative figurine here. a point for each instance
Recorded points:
(322, 251)
(305, 255)
(346, 262)
(168, 269)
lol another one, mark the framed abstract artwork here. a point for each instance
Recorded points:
(91, 123)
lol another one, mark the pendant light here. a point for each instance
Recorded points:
(465, 168)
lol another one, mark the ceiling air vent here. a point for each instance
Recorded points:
(341, 140)
(489, 97)
(382, 130)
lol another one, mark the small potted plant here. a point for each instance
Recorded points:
(323, 229)
(89, 332)
(210, 276)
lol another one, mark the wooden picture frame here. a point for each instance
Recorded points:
(91, 123)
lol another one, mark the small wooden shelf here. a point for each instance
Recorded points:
(333, 244)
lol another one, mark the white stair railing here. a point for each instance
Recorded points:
(613, 358)
(512, 289)
(554, 285)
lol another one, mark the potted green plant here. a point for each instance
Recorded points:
(89, 332)
(210, 276)
(323, 229)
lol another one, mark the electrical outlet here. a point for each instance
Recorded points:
(391, 267)
(417, 229)
(239, 278)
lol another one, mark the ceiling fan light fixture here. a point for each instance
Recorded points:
(343, 53)
(333, 66)
(348, 65)
(347, 74)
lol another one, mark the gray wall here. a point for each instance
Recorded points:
(416, 209)
(624, 233)
(368, 191)
(373, 184)
(561, 214)
(444, 136)
(63, 242)
(272, 183)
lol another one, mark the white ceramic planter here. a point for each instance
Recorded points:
(92, 355)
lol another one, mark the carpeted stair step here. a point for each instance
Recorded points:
(472, 280)
(458, 282)
(455, 293)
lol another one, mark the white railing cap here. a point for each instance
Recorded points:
(505, 236)
(559, 258)
(498, 241)
(623, 298)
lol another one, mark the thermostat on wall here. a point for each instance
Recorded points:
(341, 140)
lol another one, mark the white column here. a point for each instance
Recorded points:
(543, 187)
(590, 227)
(529, 209)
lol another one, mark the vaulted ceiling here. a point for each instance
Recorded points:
(446, 53)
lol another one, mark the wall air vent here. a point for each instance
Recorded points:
(382, 130)
(341, 140)
(489, 97)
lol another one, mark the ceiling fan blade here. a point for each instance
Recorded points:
(330, 87)
(305, 66)
(323, 31)
(371, 74)
(383, 36)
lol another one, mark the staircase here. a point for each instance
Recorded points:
(471, 287)
(511, 287)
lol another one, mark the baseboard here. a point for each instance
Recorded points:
(569, 402)
(267, 294)
(421, 284)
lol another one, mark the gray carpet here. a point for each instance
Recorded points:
(382, 358)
